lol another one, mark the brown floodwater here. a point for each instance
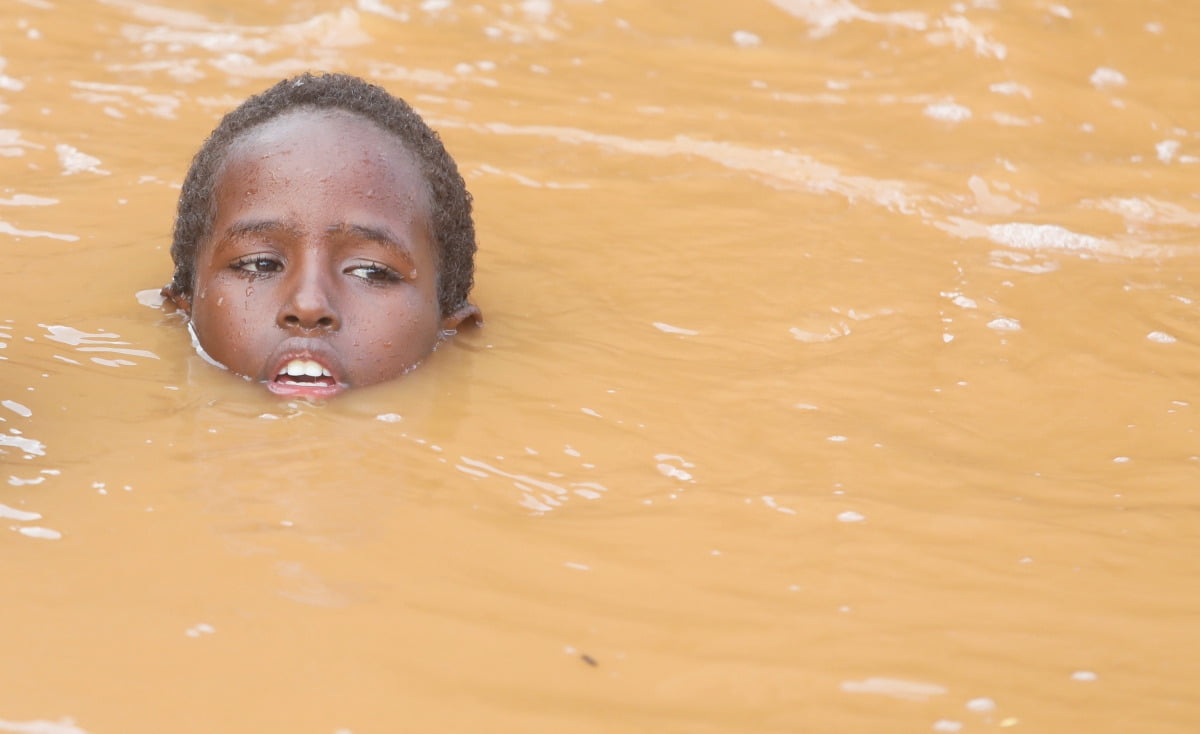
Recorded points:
(840, 374)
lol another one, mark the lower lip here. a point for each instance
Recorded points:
(290, 390)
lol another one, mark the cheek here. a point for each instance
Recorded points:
(226, 311)
(401, 326)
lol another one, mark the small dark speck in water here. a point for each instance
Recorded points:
(589, 659)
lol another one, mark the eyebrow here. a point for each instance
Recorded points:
(380, 235)
(255, 226)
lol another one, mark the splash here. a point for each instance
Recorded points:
(199, 348)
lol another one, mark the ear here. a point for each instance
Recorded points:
(181, 302)
(467, 312)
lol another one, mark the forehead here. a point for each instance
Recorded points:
(321, 147)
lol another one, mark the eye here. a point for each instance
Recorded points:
(374, 273)
(257, 264)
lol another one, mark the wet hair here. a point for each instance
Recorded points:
(450, 203)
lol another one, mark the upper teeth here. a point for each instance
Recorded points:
(298, 367)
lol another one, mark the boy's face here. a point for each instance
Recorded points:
(320, 272)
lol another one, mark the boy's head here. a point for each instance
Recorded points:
(323, 239)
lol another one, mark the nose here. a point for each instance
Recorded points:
(309, 303)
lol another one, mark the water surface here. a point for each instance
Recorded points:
(838, 375)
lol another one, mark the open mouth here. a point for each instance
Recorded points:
(304, 377)
(304, 372)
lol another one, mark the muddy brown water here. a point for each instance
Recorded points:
(839, 374)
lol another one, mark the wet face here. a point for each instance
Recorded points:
(320, 272)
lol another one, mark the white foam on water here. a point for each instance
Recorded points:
(825, 15)
(813, 337)
(668, 329)
(1012, 89)
(6, 228)
(1166, 150)
(13, 145)
(63, 726)
(28, 445)
(894, 688)
(379, 8)
(959, 31)
(746, 39)
(12, 513)
(39, 532)
(960, 300)
(27, 200)
(151, 297)
(673, 472)
(1025, 236)
(17, 408)
(537, 10)
(1004, 324)
(948, 112)
(75, 337)
(74, 161)
(200, 629)
(1105, 78)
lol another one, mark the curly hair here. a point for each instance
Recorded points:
(453, 228)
